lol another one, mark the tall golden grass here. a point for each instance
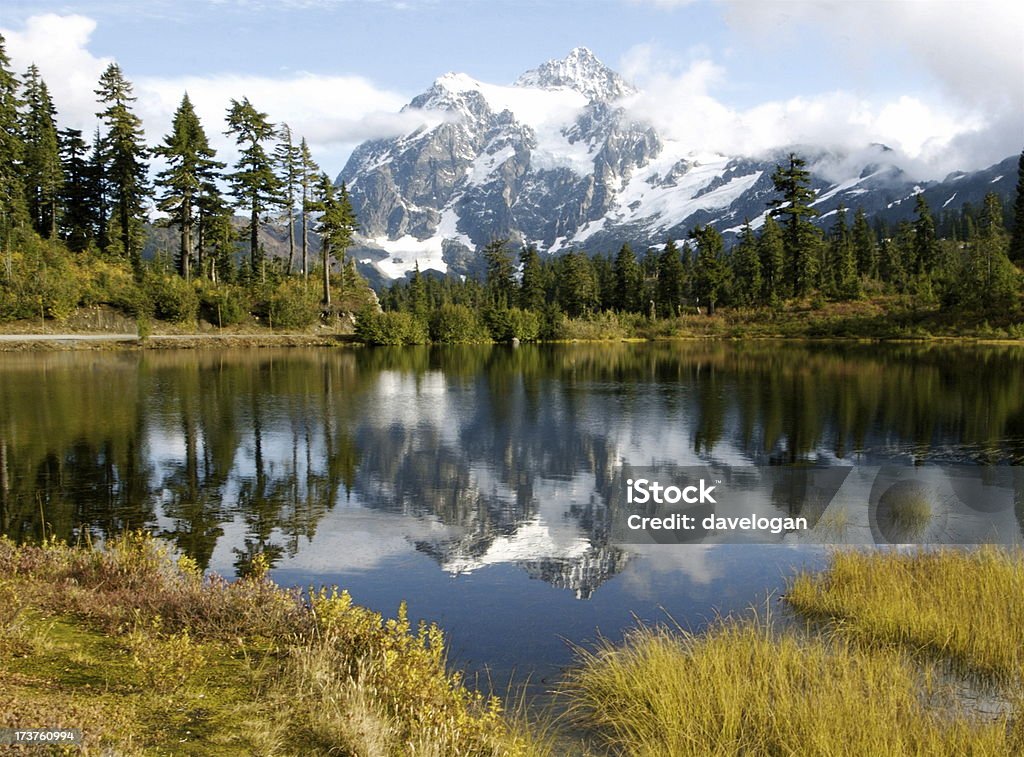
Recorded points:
(743, 689)
(965, 606)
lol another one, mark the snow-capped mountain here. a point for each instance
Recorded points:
(555, 159)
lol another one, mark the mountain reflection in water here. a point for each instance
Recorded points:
(345, 463)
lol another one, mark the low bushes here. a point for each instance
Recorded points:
(145, 652)
(457, 324)
(390, 328)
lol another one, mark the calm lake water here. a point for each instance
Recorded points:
(478, 484)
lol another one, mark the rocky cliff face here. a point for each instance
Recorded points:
(556, 160)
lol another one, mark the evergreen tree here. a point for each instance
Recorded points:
(191, 168)
(217, 239)
(214, 226)
(989, 279)
(124, 161)
(990, 224)
(629, 281)
(577, 285)
(41, 169)
(337, 227)
(711, 273)
(671, 281)
(500, 274)
(903, 256)
(926, 246)
(532, 290)
(771, 253)
(99, 192)
(890, 267)
(12, 148)
(968, 222)
(607, 289)
(309, 171)
(288, 159)
(864, 246)
(419, 304)
(748, 284)
(254, 184)
(76, 226)
(842, 274)
(1017, 240)
(800, 237)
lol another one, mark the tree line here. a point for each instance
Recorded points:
(96, 196)
(789, 258)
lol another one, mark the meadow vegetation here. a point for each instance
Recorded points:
(148, 656)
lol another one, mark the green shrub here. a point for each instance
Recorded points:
(506, 324)
(223, 304)
(390, 328)
(293, 306)
(40, 280)
(457, 324)
(173, 298)
(107, 282)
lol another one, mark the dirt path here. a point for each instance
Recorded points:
(68, 337)
(72, 341)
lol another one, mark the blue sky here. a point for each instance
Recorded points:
(940, 80)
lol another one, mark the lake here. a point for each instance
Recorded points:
(484, 485)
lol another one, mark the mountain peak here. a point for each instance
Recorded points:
(581, 71)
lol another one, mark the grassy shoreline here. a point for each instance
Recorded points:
(147, 656)
(882, 319)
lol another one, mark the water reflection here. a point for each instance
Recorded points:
(476, 456)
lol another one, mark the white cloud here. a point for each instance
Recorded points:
(972, 47)
(931, 136)
(309, 103)
(58, 46)
(969, 49)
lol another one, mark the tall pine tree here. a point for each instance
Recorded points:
(190, 166)
(12, 192)
(310, 171)
(531, 289)
(926, 244)
(800, 237)
(1017, 239)
(99, 193)
(500, 274)
(842, 262)
(41, 168)
(671, 281)
(747, 280)
(864, 246)
(771, 252)
(711, 273)
(337, 227)
(629, 281)
(76, 226)
(288, 160)
(124, 161)
(254, 184)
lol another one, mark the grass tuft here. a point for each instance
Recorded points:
(743, 689)
(966, 607)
